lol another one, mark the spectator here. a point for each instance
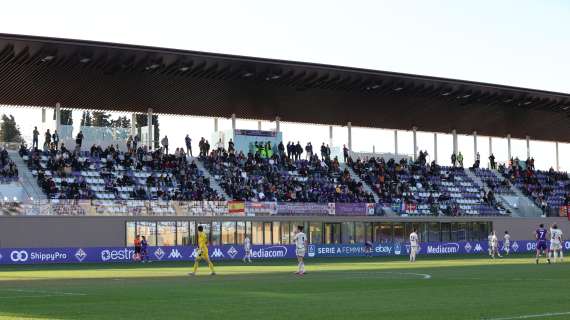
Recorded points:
(453, 159)
(476, 164)
(55, 138)
(455, 209)
(35, 135)
(79, 140)
(281, 149)
(47, 140)
(345, 152)
(492, 162)
(188, 142)
(490, 198)
(460, 159)
(231, 146)
(268, 149)
(309, 151)
(136, 141)
(298, 150)
(130, 143)
(202, 147)
(164, 143)
(220, 145)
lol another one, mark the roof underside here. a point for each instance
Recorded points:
(90, 75)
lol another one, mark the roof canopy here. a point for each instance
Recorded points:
(37, 71)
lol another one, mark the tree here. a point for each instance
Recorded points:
(126, 123)
(66, 117)
(9, 131)
(121, 122)
(101, 119)
(86, 119)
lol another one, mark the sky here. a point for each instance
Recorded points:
(519, 43)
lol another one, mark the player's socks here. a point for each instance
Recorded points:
(561, 255)
(195, 266)
(211, 266)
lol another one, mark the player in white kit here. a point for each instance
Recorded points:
(507, 242)
(247, 249)
(490, 244)
(494, 245)
(414, 245)
(556, 243)
(300, 241)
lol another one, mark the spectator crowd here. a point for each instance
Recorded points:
(284, 176)
(109, 173)
(428, 187)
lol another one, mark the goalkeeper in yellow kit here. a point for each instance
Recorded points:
(202, 253)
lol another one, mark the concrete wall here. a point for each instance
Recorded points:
(523, 228)
(61, 232)
(110, 231)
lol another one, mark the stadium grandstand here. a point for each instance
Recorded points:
(107, 185)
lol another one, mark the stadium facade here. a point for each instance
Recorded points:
(73, 74)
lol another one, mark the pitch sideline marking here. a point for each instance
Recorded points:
(532, 316)
(34, 296)
(423, 275)
(50, 293)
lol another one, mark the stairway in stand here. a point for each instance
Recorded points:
(29, 182)
(523, 205)
(213, 182)
(367, 188)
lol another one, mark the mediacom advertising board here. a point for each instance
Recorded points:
(10, 256)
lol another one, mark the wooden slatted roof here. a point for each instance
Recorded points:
(36, 71)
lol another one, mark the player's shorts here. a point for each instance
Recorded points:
(300, 252)
(555, 245)
(202, 253)
(414, 248)
(507, 244)
(137, 250)
(541, 245)
(247, 252)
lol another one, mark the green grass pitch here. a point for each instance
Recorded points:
(358, 288)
